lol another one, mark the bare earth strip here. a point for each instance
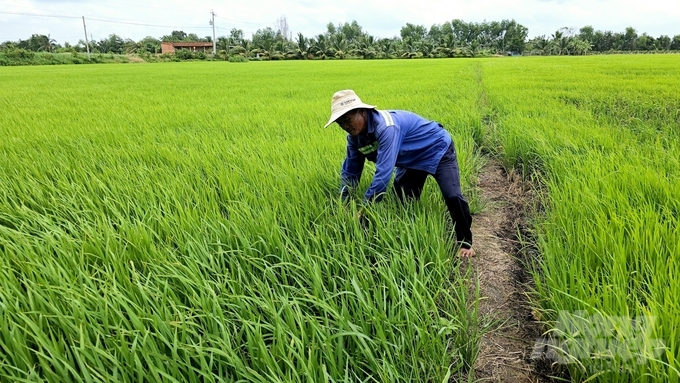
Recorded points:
(505, 352)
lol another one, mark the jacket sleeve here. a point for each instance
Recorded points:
(389, 141)
(351, 169)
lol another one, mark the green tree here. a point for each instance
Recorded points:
(351, 31)
(646, 43)
(320, 47)
(435, 34)
(366, 47)
(330, 29)
(175, 37)
(540, 45)
(8, 45)
(82, 47)
(192, 37)
(38, 43)
(600, 41)
(131, 46)
(387, 48)
(515, 36)
(113, 44)
(675, 44)
(339, 45)
(560, 41)
(301, 48)
(630, 39)
(235, 36)
(149, 45)
(663, 43)
(587, 33)
(461, 31)
(579, 47)
(446, 45)
(264, 41)
(416, 33)
(411, 48)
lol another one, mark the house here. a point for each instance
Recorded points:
(167, 47)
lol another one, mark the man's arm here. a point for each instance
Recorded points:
(389, 141)
(351, 169)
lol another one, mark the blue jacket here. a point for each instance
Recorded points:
(411, 143)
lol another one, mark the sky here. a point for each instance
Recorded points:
(62, 19)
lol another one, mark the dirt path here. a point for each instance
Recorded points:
(505, 353)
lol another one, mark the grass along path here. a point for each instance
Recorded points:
(505, 350)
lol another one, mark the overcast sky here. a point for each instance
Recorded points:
(381, 18)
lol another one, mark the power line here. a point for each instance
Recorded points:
(106, 21)
(34, 14)
(146, 25)
(117, 4)
(133, 22)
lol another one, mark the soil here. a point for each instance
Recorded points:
(500, 270)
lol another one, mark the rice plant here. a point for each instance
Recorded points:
(182, 222)
(601, 134)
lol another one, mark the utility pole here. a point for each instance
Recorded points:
(87, 43)
(212, 22)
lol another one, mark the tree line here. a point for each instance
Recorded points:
(454, 38)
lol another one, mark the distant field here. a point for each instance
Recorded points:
(181, 222)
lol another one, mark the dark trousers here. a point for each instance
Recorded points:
(409, 185)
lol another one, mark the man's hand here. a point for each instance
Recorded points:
(466, 253)
(363, 220)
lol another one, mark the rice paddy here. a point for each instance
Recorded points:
(182, 221)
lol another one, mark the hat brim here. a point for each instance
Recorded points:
(339, 113)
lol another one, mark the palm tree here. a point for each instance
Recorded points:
(45, 43)
(411, 48)
(320, 47)
(579, 47)
(339, 43)
(542, 45)
(387, 48)
(427, 48)
(560, 43)
(365, 47)
(301, 48)
(446, 45)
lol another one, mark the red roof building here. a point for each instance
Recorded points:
(194, 47)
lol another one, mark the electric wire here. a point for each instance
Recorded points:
(107, 21)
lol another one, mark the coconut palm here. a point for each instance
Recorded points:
(542, 46)
(387, 48)
(321, 47)
(445, 46)
(339, 44)
(560, 43)
(410, 48)
(365, 47)
(299, 51)
(579, 47)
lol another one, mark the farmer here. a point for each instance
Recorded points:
(415, 146)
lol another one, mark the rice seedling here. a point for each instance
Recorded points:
(601, 133)
(183, 223)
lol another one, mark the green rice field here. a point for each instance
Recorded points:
(181, 222)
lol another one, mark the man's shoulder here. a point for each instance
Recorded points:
(389, 117)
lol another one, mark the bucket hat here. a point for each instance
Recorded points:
(342, 102)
